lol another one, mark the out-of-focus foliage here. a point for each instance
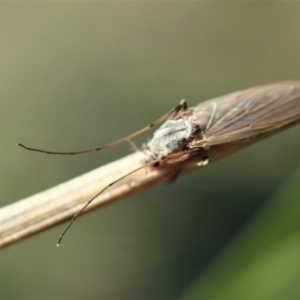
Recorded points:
(262, 261)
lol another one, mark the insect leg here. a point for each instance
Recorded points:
(179, 157)
(182, 156)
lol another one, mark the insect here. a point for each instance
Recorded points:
(190, 133)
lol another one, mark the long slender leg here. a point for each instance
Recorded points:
(182, 156)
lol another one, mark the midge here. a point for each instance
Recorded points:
(190, 133)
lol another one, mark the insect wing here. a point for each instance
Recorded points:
(247, 113)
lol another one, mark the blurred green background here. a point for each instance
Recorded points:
(80, 74)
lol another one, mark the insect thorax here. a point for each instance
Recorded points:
(170, 137)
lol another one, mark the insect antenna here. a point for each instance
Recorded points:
(174, 111)
(182, 106)
(153, 163)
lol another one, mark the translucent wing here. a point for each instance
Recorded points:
(248, 113)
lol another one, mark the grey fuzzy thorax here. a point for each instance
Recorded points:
(169, 138)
